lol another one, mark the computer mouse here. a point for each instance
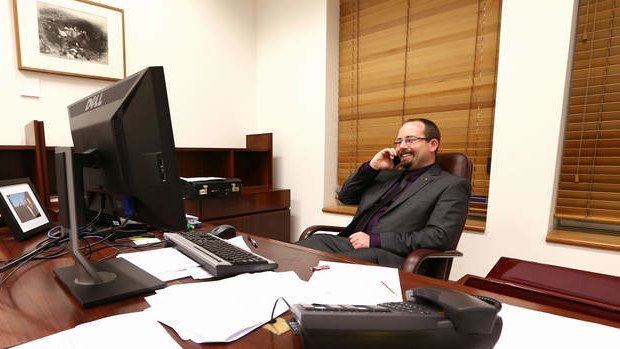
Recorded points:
(224, 231)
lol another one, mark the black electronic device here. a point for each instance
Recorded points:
(218, 256)
(396, 160)
(210, 187)
(432, 317)
(123, 163)
(224, 231)
(123, 136)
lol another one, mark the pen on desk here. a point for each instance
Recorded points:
(388, 287)
(253, 242)
(320, 267)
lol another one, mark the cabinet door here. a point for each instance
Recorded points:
(275, 224)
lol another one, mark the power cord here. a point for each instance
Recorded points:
(272, 319)
(54, 246)
(54, 240)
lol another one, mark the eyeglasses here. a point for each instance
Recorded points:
(409, 140)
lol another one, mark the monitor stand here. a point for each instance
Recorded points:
(100, 282)
(119, 279)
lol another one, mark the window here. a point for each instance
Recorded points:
(402, 59)
(589, 184)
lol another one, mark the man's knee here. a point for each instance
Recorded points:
(326, 242)
(307, 242)
(312, 241)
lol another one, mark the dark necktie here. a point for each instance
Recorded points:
(384, 201)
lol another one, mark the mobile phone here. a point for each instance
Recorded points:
(396, 160)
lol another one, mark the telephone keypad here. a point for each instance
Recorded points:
(408, 307)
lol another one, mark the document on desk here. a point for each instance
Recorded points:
(166, 264)
(346, 283)
(131, 330)
(169, 264)
(526, 328)
(225, 310)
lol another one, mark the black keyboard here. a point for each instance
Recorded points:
(218, 256)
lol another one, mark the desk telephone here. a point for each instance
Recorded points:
(431, 317)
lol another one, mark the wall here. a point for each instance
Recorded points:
(208, 51)
(292, 82)
(532, 76)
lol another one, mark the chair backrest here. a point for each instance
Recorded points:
(456, 163)
(460, 165)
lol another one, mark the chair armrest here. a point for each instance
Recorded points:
(414, 260)
(314, 228)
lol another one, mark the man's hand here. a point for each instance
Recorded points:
(360, 240)
(383, 159)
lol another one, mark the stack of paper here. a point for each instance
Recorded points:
(166, 264)
(225, 310)
(169, 264)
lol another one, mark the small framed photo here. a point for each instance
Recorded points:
(68, 37)
(21, 208)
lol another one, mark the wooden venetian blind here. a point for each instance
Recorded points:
(589, 187)
(403, 59)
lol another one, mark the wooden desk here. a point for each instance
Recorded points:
(33, 304)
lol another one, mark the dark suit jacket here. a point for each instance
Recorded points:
(430, 213)
(25, 214)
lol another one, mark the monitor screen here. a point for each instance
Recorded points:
(127, 131)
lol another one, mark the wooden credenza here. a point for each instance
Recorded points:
(259, 208)
(264, 212)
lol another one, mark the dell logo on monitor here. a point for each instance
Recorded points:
(94, 102)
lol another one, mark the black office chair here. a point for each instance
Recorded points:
(434, 263)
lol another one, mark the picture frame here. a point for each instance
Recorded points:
(70, 37)
(21, 208)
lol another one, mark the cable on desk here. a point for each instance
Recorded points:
(51, 241)
(15, 269)
(45, 244)
(55, 241)
(272, 320)
(17, 263)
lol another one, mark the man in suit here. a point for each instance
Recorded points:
(26, 211)
(400, 207)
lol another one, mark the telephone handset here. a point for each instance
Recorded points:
(469, 314)
(396, 160)
(431, 317)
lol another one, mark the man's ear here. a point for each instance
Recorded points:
(433, 145)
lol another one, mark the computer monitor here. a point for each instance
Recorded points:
(123, 163)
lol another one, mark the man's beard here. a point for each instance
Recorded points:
(406, 164)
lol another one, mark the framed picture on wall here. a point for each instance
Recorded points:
(69, 37)
(21, 208)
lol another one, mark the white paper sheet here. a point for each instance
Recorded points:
(165, 263)
(345, 283)
(200, 179)
(239, 242)
(169, 264)
(131, 330)
(526, 328)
